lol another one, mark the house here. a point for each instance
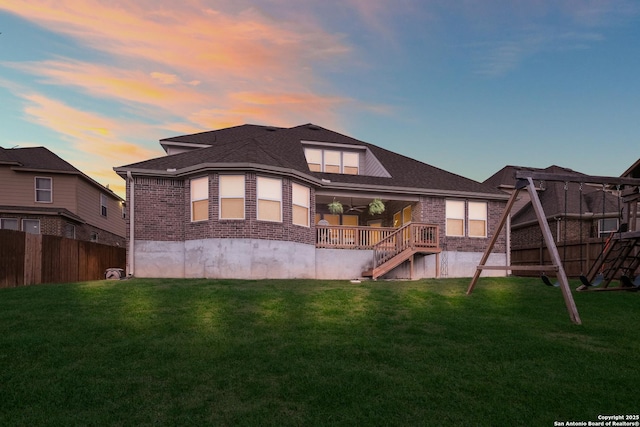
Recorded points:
(574, 212)
(253, 202)
(43, 194)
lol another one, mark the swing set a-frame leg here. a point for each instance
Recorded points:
(494, 238)
(548, 238)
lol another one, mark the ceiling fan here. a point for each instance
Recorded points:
(358, 208)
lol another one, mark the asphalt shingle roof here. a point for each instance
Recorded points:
(36, 158)
(552, 198)
(282, 147)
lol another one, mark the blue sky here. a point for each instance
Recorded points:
(467, 86)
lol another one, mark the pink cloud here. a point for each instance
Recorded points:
(161, 90)
(99, 142)
(188, 59)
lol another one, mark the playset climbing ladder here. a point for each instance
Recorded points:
(620, 260)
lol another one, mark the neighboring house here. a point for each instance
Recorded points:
(43, 194)
(252, 202)
(573, 214)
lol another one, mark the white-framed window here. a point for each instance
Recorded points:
(350, 163)
(314, 159)
(9, 224)
(31, 226)
(300, 196)
(477, 219)
(93, 237)
(44, 189)
(231, 196)
(606, 226)
(103, 204)
(455, 218)
(269, 199)
(200, 199)
(332, 161)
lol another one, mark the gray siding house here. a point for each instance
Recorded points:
(44, 194)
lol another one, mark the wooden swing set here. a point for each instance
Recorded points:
(621, 254)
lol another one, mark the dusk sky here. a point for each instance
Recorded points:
(467, 86)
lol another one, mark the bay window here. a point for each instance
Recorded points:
(269, 199)
(232, 196)
(300, 196)
(200, 199)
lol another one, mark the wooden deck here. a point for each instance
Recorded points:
(391, 246)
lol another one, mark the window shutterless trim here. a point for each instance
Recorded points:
(268, 197)
(103, 204)
(449, 216)
(240, 196)
(203, 180)
(49, 190)
(306, 207)
(483, 218)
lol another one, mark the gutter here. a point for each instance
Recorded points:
(132, 210)
(318, 182)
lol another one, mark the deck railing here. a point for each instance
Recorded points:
(385, 240)
(346, 237)
(416, 236)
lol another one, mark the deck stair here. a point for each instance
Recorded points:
(401, 246)
(620, 257)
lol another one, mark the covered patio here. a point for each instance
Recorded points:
(355, 227)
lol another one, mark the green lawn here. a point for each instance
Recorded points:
(294, 352)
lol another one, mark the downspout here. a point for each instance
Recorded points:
(509, 242)
(131, 202)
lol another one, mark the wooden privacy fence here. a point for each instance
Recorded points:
(30, 259)
(576, 261)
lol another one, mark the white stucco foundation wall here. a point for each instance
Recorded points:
(269, 259)
(452, 264)
(342, 264)
(463, 264)
(158, 259)
(249, 259)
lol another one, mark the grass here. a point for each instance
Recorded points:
(280, 353)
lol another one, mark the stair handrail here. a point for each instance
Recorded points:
(406, 237)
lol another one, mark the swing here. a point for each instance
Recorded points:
(547, 281)
(628, 283)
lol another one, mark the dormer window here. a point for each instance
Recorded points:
(314, 159)
(350, 163)
(332, 161)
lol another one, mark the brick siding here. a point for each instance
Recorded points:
(433, 210)
(163, 212)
